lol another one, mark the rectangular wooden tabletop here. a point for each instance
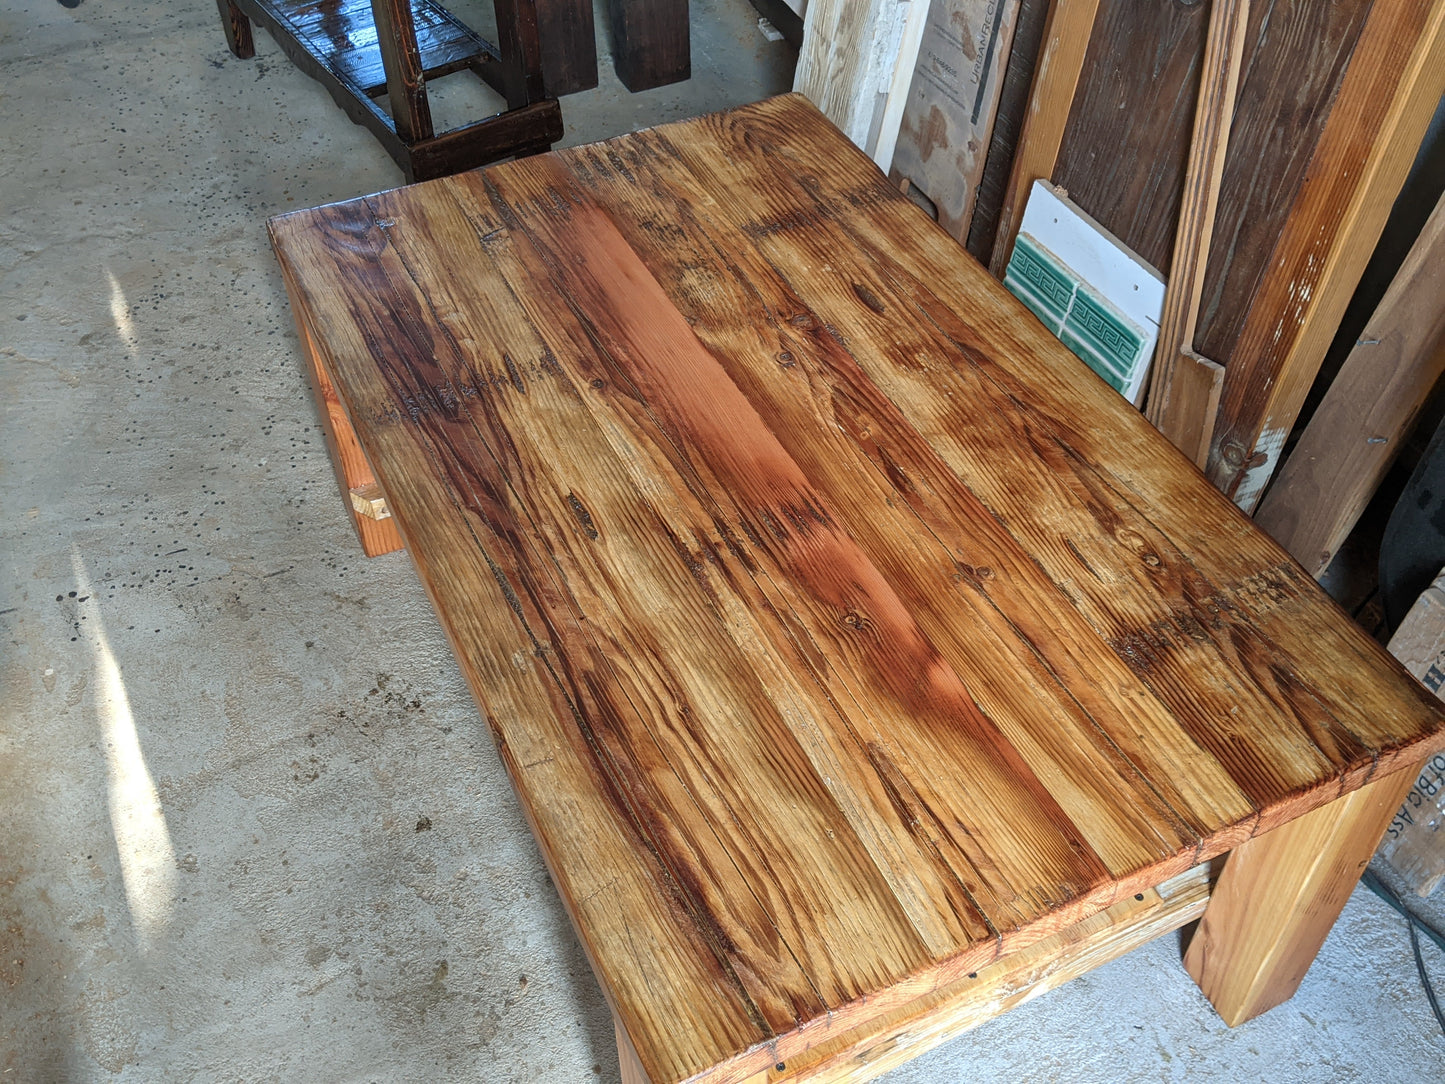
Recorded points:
(839, 629)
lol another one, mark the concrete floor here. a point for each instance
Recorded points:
(251, 826)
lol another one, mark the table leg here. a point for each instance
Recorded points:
(1278, 896)
(401, 60)
(353, 472)
(632, 1071)
(238, 30)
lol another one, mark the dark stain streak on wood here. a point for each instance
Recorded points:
(868, 297)
(584, 517)
(513, 374)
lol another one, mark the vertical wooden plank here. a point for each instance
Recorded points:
(884, 140)
(1296, 55)
(1126, 139)
(849, 55)
(1279, 895)
(1390, 91)
(405, 85)
(517, 37)
(650, 46)
(956, 79)
(1355, 434)
(1008, 120)
(1066, 39)
(1174, 414)
(1194, 394)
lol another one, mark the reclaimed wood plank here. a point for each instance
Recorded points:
(1194, 391)
(907, 696)
(631, 916)
(850, 54)
(947, 113)
(818, 703)
(1358, 429)
(970, 583)
(1389, 92)
(1232, 574)
(1056, 78)
(1181, 417)
(1013, 103)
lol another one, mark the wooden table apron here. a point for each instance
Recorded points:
(847, 641)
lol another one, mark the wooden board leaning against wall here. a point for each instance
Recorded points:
(1332, 104)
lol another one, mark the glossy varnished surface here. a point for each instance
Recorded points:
(839, 630)
(343, 32)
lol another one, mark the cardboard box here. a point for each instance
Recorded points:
(1414, 844)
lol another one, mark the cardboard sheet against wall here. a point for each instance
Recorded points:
(949, 114)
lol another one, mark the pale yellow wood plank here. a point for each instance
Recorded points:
(1278, 896)
(370, 501)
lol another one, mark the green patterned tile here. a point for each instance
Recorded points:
(1040, 281)
(1111, 345)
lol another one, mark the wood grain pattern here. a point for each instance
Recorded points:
(1279, 895)
(1124, 152)
(1194, 391)
(1386, 98)
(1123, 145)
(1178, 417)
(848, 60)
(1356, 433)
(1056, 77)
(1010, 981)
(370, 501)
(1296, 56)
(819, 698)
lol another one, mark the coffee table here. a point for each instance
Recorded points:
(863, 663)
